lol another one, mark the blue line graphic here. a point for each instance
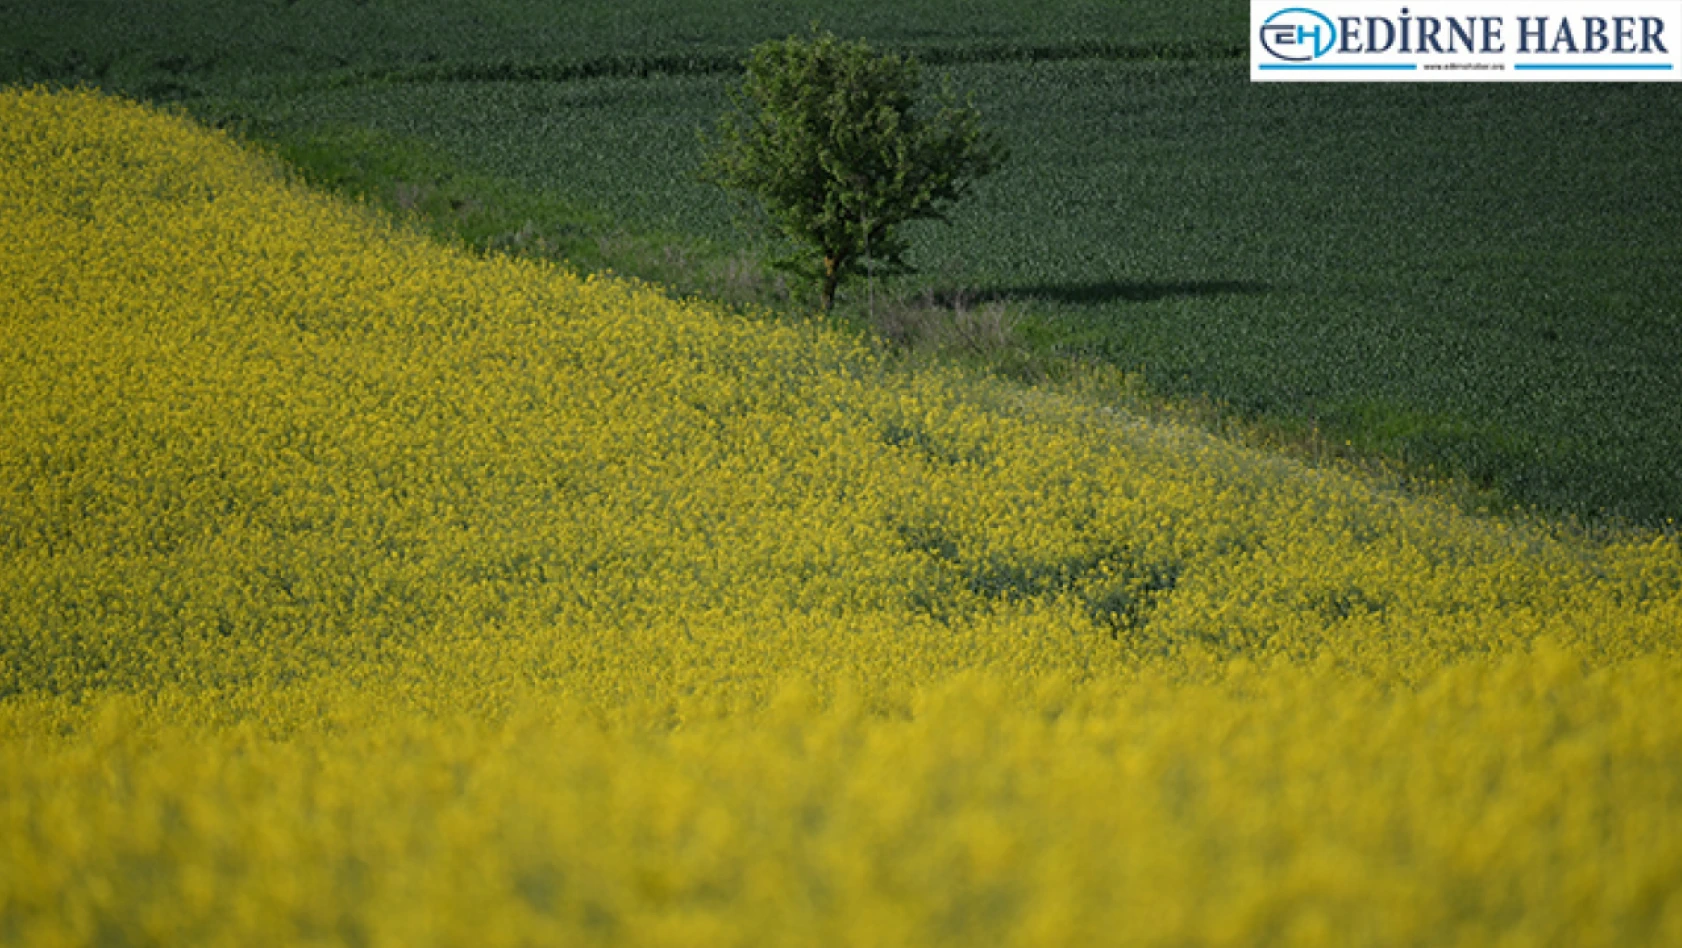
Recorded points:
(1384, 66)
(1579, 66)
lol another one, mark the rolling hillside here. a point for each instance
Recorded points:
(1476, 282)
(356, 589)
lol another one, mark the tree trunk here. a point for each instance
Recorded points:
(831, 279)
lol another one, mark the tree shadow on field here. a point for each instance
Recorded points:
(1127, 291)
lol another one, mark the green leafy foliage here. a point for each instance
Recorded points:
(827, 138)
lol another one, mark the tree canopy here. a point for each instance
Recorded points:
(828, 138)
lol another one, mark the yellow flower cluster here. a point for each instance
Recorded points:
(357, 590)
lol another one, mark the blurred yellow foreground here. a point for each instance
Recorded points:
(359, 590)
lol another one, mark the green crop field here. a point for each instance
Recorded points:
(1477, 281)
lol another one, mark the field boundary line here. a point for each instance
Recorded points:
(729, 61)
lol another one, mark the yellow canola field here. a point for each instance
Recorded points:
(358, 590)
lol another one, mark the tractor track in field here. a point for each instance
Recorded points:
(728, 61)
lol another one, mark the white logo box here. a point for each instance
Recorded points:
(1492, 41)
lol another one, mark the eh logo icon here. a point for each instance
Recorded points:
(1298, 34)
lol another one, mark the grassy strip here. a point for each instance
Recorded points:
(729, 61)
(419, 185)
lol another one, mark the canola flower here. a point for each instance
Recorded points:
(359, 590)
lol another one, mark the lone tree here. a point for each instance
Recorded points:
(827, 137)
